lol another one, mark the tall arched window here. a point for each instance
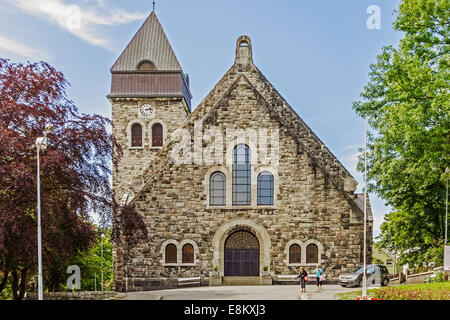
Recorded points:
(265, 189)
(171, 253)
(188, 253)
(157, 135)
(136, 135)
(241, 175)
(295, 255)
(217, 189)
(312, 253)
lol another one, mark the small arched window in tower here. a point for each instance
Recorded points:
(265, 189)
(295, 254)
(136, 135)
(171, 253)
(188, 253)
(217, 189)
(146, 66)
(157, 135)
(312, 253)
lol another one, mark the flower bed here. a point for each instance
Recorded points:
(428, 291)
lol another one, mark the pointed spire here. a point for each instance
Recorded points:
(149, 44)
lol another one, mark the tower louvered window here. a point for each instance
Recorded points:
(157, 135)
(136, 135)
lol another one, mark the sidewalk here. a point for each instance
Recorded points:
(276, 292)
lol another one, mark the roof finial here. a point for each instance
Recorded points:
(154, 3)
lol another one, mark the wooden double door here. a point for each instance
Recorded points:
(242, 255)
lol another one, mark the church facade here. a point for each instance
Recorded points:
(237, 191)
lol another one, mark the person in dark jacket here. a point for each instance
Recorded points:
(303, 275)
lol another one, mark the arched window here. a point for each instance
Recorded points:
(171, 253)
(146, 66)
(157, 135)
(312, 253)
(295, 254)
(241, 175)
(188, 253)
(136, 135)
(265, 189)
(217, 189)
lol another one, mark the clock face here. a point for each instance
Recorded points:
(147, 110)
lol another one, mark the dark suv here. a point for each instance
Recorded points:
(376, 274)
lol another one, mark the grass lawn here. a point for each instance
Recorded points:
(424, 291)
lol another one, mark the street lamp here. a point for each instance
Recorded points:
(101, 245)
(364, 289)
(446, 205)
(41, 144)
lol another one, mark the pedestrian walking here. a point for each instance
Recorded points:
(303, 275)
(319, 277)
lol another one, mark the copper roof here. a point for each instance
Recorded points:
(150, 84)
(149, 43)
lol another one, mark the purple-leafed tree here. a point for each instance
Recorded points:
(75, 172)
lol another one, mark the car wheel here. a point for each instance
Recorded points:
(385, 282)
(358, 284)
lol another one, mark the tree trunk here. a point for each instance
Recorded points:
(4, 280)
(14, 284)
(23, 283)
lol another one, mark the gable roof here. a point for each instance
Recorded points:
(306, 139)
(149, 43)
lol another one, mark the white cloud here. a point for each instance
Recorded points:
(19, 48)
(81, 22)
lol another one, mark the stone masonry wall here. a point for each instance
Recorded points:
(127, 179)
(134, 161)
(308, 205)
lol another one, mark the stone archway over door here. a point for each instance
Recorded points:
(242, 255)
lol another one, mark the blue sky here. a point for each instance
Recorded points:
(316, 53)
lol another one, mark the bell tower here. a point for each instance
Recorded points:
(150, 99)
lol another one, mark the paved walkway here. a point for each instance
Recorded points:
(276, 292)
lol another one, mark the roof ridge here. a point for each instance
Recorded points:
(296, 138)
(297, 117)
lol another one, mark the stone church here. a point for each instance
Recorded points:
(238, 190)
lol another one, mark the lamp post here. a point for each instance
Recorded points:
(446, 205)
(41, 143)
(364, 289)
(101, 246)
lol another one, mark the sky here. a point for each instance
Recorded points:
(316, 53)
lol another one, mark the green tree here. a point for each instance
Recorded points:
(407, 105)
(92, 264)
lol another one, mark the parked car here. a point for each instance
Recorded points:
(376, 274)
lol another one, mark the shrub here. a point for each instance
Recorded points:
(440, 277)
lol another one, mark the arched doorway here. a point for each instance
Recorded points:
(241, 255)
